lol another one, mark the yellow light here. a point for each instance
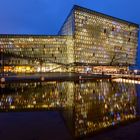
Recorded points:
(45, 106)
(12, 107)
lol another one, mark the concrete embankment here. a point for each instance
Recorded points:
(54, 77)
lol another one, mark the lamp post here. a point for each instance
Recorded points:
(2, 80)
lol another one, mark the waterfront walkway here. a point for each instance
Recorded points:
(54, 76)
(65, 76)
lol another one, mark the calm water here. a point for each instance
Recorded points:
(86, 107)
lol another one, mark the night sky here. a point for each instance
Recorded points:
(47, 16)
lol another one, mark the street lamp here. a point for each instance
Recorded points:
(2, 63)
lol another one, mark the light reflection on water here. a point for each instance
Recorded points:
(86, 106)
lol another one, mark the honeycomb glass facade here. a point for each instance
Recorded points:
(104, 40)
(28, 54)
(85, 40)
(68, 26)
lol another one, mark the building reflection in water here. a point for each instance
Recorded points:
(49, 95)
(85, 106)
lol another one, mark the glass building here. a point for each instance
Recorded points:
(87, 41)
(29, 54)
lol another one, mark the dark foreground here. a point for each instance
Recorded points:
(50, 126)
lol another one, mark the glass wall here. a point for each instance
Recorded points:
(104, 40)
(68, 26)
(28, 54)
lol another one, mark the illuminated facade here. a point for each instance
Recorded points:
(36, 53)
(86, 39)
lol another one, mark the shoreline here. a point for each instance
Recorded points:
(54, 77)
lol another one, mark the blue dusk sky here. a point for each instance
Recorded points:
(47, 16)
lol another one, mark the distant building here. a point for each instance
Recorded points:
(87, 41)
